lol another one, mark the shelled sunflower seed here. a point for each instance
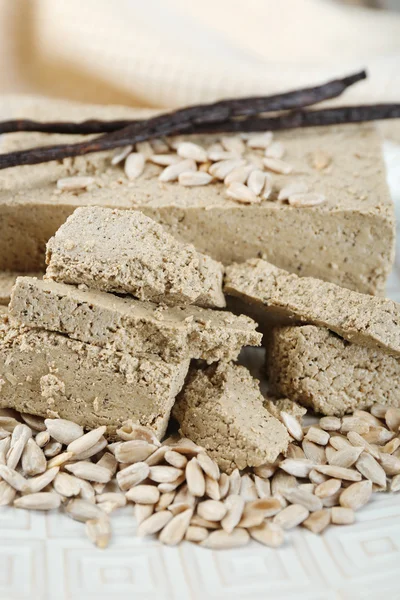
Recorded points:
(243, 163)
(179, 493)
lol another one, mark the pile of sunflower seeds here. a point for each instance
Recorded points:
(245, 164)
(330, 471)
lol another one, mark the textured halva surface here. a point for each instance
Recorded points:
(48, 374)
(348, 240)
(7, 280)
(128, 325)
(126, 252)
(279, 295)
(315, 367)
(221, 408)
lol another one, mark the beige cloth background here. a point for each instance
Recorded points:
(175, 52)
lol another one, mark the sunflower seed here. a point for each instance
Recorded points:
(314, 452)
(318, 521)
(268, 534)
(239, 175)
(395, 484)
(330, 423)
(371, 469)
(294, 451)
(186, 447)
(357, 440)
(263, 487)
(278, 166)
(87, 440)
(219, 155)
(291, 516)
(298, 496)
(21, 434)
(212, 488)
(33, 459)
(172, 172)
(115, 498)
(342, 516)
(39, 501)
(255, 512)
(242, 193)
(222, 168)
(297, 467)
(87, 491)
(234, 506)
(165, 500)
(366, 416)
(306, 200)
(390, 464)
(220, 539)
(132, 431)
(175, 459)
(38, 483)
(99, 531)
(192, 151)
(4, 448)
(164, 474)
(173, 485)
(296, 187)
(392, 418)
(211, 510)
(328, 488)
(144, 494)
(233, 144)
(120, 154)
(67, 485)
(317, 435)
(42, 438)
(378, 435)
(132, 475)
(378, 410)
(143, 512)
(134, 165)
(4, 434)
(195, 478)
(346, 457)
(256, 181)
(164, 160)
(339, 442)
(109, 462)
(354, 424)
(97, 447)
(223, 485)
(281, 482)
(175, 530)
(63, 431)
(266, 192)
(194, 178)
(60, 459)
(248, 489)
(134, 451)
(89, 471)
(265, 471)
(292, 425)
(13, 478)
(339, 472)
(391, 446)
(7, 493)
(316, 477)
(71, 184)
(196, 534)
(356, 495)
(82, 510)
(209, 467)
(199, 522)
(52, 449)
(34, 422)
(260, 140)
(157, 456)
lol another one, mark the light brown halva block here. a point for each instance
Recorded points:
(279, 295)
(128, 325)
(48, 374)
(348, 240)
(126, 252)
(318, 369)
(221, 409)
(7, 280)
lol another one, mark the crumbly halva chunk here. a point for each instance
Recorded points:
(7, 280)
(129, 325)
(279, 295)
(221, 408)
(320, 370)
(126, 252)
(48, 374)
(333, 241)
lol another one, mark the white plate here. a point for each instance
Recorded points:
(47, 556)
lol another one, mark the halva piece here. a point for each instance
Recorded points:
(320, 370)
(349, 239)
(283, 296)
(7, 280)
(126, 252)
(221, 409)
(128, 325)
(48, 374)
